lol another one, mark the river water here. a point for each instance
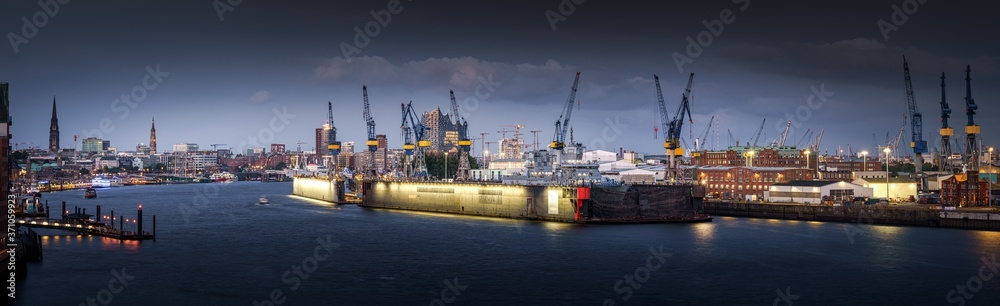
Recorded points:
(216, 246)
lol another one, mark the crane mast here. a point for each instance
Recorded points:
(414, 129)
(562, 125)
(946, 130)
(971, 129)
(464, 144)
(673, 129)
(332, 146)
(916, 128)
(372, 143)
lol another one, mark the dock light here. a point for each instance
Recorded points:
(887, 150)
(864, 160)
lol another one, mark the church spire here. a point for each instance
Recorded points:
(152, 137)
(54, 129)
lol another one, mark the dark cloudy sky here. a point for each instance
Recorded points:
(222, 80)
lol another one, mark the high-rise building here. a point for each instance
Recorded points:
(152, 137)
(5, 123)
(381, 163)
(277, 148)
(322, 136)
(185, 147)
(442, 133)
(93, 145)
(54, 130)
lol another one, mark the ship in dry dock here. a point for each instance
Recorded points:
(555, 184)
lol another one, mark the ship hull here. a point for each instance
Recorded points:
(581, 204)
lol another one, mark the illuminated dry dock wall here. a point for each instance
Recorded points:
(317, 189)
(553, 203)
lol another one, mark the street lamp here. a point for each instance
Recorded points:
(864, 160)
(807, 152)
(887, 151)
(445, 166)
(991, 176)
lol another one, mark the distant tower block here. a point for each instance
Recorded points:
(54, 129)
(152, 138)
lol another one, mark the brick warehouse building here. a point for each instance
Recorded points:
(964, 190)
(788, 157)
(747, 182)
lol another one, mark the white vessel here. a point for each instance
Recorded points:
(223, 177)
(100, 182)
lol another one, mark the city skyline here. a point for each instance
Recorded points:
(853, 69)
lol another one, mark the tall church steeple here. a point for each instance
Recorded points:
(152, 137)
(54, 129)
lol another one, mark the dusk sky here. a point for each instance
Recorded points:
(222, 79)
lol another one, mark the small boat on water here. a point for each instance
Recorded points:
(90, 193)
(263, 201)
(223, 177)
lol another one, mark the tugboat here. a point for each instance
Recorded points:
(91, 193)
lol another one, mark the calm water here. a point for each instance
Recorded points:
(231, 251)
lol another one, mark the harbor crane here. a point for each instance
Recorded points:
(784, 135)
(464, 144)
(332, 145)
(672, 128)
(917, 131)
(971, 129)
(559, 137)
(372, 143)
(413, 128)
(699, 142)
(946, 131)
(756, 136)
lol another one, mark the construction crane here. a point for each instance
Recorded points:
(971, 129)
(756, 136)
(372, 143)
(700, 141)
(946, 131)
(784, 135)
(559, 137)
(464, 144)
(916, 128)
(732, 139)
(819, 140)
(298, 145)
(215, 146)
(534, 135)
(895, 142)
(482, 147)
(804, 137)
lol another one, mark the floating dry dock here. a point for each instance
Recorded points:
(578, 204)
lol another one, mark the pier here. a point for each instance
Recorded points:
(103, 225)
(873, 215)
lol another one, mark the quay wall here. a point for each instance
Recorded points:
(852, 214)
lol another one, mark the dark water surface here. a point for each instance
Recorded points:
(224, 249)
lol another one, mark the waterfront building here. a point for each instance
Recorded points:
(965, 190)
(746, 182)
(899, 188)
(814, 192)
(441, 131)
(94, 145)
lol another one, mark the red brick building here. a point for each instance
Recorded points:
(740, 182)
(788, 157)
(964, 190)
